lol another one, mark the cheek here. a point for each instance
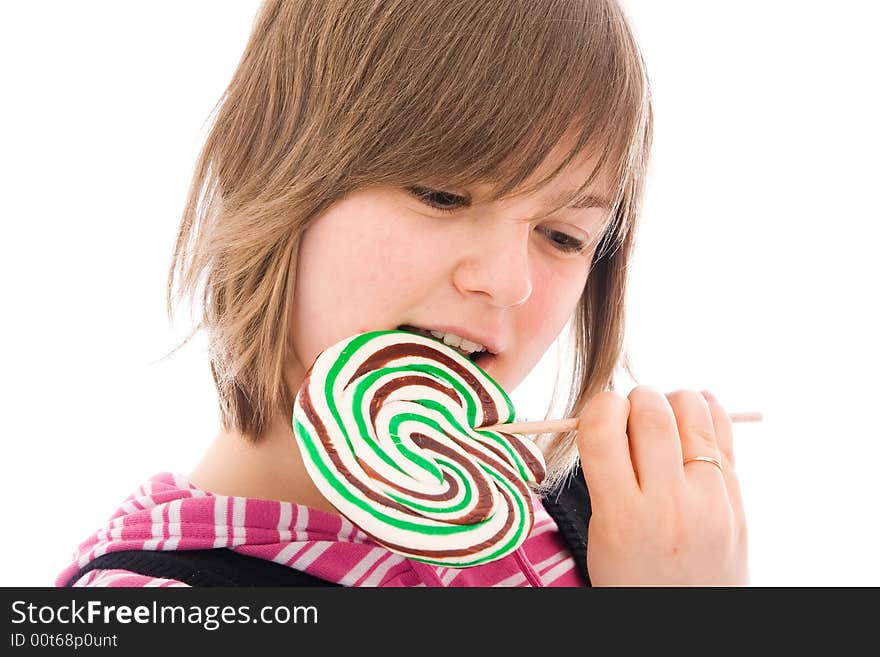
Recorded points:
(554, 296)
(355, 252)
(394, 267)
(556, 292)
(358, 267)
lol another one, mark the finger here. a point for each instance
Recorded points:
(603, 448)
(697, 432)
(653, 439)
(723, 427)
(724, 437)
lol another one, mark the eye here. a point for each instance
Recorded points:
(563, 241)
(438, 199)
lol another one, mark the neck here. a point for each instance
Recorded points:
(270, 469)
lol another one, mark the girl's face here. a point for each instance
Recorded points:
(499, 274)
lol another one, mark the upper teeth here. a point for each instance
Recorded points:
(459, 342)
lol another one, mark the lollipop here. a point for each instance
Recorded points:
(385, 423)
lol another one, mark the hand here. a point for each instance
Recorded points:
(655, 521)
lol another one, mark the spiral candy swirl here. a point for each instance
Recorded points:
(385, 423)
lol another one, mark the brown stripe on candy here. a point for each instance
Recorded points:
(502, 466)
(451, 491)
(376, 403)
(492, 447)
(382, 393)
(414, 379)
(470, 455)
(473, 549)
(482, 507)
(305, 402)
(385, 355)
(321, 430)
(535, 465)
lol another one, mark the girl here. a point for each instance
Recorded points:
(472, 168)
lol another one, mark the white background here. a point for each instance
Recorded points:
(755, 274)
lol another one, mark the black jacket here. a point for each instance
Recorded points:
(570, 507)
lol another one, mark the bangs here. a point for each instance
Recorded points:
(472, 93)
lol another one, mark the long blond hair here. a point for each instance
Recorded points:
(337, 95)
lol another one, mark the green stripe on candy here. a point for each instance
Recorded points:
(357, 342)
(361, 387)
(340, 487)
(364, 385)
(307, 441)
(503, 550)
(465, 502)
(514, 455)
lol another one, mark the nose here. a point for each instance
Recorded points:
(497, 266)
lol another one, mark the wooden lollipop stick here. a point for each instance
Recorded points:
(571, 423)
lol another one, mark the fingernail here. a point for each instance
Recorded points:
(709, 396)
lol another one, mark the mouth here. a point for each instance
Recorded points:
(481, 358)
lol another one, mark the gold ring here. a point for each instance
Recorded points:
(707, 459)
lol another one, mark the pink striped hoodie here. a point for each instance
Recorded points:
(168, 513)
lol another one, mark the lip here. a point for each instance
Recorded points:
(479, 338)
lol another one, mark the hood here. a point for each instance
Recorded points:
(167, 512)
